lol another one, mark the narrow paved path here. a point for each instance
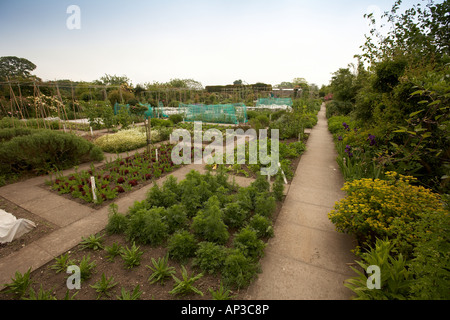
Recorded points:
(307, 259)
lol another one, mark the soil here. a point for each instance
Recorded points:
(43, 227)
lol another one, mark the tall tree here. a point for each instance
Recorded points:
(15, 68)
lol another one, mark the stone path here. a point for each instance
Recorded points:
(307, 259)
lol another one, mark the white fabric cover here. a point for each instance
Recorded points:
(12, 228)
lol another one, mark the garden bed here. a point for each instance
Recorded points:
(53, 284)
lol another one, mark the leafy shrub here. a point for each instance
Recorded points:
(265, 204)
(209, 225)
(117, 223)
(124, 140)
(44, 150)
(176, 118)
(176, 218)
(248, 243)
(9, 133)
(147, 226)
(262, 226)
(210, 257)
(182, 246)
(234, 215)
(238, 270)
(384, 209)
(278, 187)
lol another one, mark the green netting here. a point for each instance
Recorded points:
(217, 113)
(274, 101)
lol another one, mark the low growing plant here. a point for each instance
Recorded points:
(103, 286)
(160, 270)
(186, 285)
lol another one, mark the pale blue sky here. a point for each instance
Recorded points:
(211, 41)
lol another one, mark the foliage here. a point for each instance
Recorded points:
(93, 241)
(394, 276)
(86, 267)
(186, 286)
(61, 263)
(262, 226)
(103, 286)
(208, 223)
(265, 204)
(132, 295)
(40, 295)
(12, 67)
(248, 243)
(210, 257)
(147, 227)
(238, 270)
(160, 270)
(124, 140)
(19, 284)
(117, 223)
(234, 215)
(182, 246)
(44, 150)
(113, 251)
(221, 294)
(131, 256)
(278, 187)
(384, 209)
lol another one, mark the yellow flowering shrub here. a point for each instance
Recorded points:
(389, 208)
(125, 140)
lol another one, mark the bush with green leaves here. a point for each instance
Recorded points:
(176, 218)
(46, 150)
(208, 224)
(247, 241)
(182, 246)
(147, 226)
(117, 223)
(210, 257)
(265, 204)
(262, 226)
(234, 215)
(278, 187)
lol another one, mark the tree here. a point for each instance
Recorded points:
(14, 67)
(114, 80)
(237, 83)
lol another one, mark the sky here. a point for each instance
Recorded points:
(214, 42)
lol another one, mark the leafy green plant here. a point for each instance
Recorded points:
(278, 187)
(93, 241)
(131, 256)
(210, 257)
(234, 215)
(186, 286)
(117, 223)
(238, 270)
(62, 262)
(209, 225)
(20, 284)
(103, 286)
(113, 251)
(161, 270)
(395, 278)
(176, 218)
(130, 295)
(86, 267)
(147, 226)
(265, 204)
(221, 294)
(262, 226)
(40, 295)
(182, 246)
(248, 243)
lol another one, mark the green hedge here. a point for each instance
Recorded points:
(44, 150)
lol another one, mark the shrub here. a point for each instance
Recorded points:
(248, 243)
(210, 257)
(278, 187)
(395, 279)
(234, 215)
(384, 209)
(208, 224)
(265, 204)
(176, 218)
(44, 150)
(117, 223)
(124, 140)
(176, 118)
(238, 270)
(262, 226)
(147, 227)
(182, 246)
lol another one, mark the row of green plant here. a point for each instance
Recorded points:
(205, 220)
(27, 151)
